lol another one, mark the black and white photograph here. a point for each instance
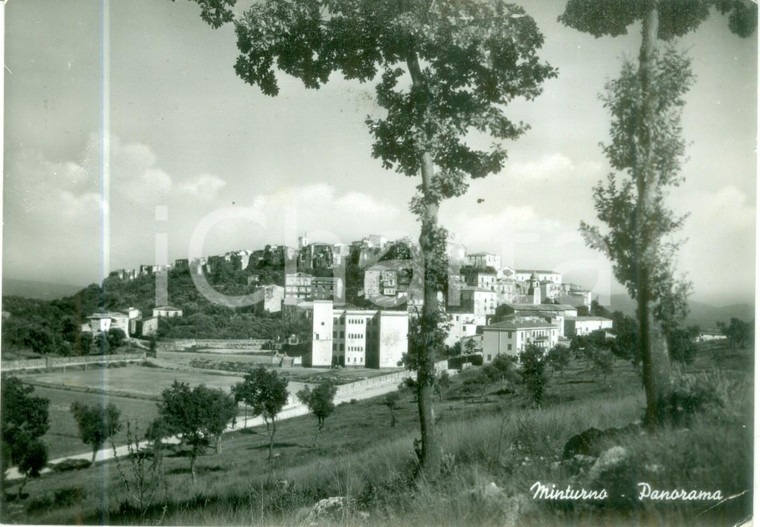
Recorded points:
(378, 262)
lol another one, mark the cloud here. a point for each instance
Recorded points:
(206, 186)
(552, 167)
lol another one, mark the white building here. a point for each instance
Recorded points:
(585, 325)
(298, 285)
(511, 337)
(478, 300)
(269, 298)
(523, 275)
(482, 260)
(463, 325)
(166, 311)
(358, 337)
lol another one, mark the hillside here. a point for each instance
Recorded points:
(705, 315)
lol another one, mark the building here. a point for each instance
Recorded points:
(484, 260)
(478, 300)
(328, 288)
(463, 325)
(166, 311)
(480, 278)
(357, 337)
(147, 327)
(585, 325)
(552, 313)
(523, 275)
(268, 298)
(298, 285)
(99, 322)
(321, 353)
(510, 337)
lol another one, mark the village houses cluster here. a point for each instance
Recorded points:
(493, 309)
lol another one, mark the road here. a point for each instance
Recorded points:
(294, 410)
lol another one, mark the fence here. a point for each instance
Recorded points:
(213, 345)
(62, 362)
(394, 378)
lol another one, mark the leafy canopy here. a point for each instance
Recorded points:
(264, 391)
(446, 68)
(677, 17)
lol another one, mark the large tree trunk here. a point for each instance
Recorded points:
(219, 444)
(430, 453)
(652, 345)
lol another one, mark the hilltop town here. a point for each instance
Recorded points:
(358, 299)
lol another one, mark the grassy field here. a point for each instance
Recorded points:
(494, 438)
(63, 436)
(136, 379)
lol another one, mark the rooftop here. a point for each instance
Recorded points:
(537, 271)
(519, 324)
(589, 319)
(541, 307)
(475, 288)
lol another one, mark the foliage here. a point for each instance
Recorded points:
(625, 344)
(194, 414)
(738, 332)
(603, 361)
(533, 370)
(320, 401)
(144, 479)
(682, 344)
(96, 424)
(558, 358)
(392, 402)
(25, 420)
(266, 393)
(466, 62)
(442, 384)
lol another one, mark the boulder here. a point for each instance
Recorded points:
(586, 443)
(335, 509)
(610, 460)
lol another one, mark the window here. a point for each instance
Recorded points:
(509, 347)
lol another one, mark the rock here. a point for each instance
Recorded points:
(609, 460)
(492, 490)
(653, 468)
(586, 443)
(333, 508)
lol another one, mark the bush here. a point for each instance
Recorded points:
(691, 394)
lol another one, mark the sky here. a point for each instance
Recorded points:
(201, 159)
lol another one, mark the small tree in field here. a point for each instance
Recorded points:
(533, 370)
(682, 344)
(96, 424)
(558, 358)
(194, 414)
(737, 332)
(603, 362)
(391, 401)
(320, 402)
(267, 394)
(24, 420)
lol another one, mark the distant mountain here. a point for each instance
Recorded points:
(37, 290)
(705, 315)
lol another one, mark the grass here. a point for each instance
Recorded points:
(500, 439)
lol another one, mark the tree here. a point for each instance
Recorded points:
(506, 366)
(533, 370)
(266, 393)
(645, 103)
(465, 61)
(222, 408)
(24, 420)
(391, 401)
(319, 401)
(737, 332)
(116, 338)
(196, 415)
(96, 423)
(603, 362)
(442, 384)
(681, 344)
(558, 358)
(625, 344)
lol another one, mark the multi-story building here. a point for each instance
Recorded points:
(553, 313)
(523, 275)
(298, 285)
(358, 337)
(463, 325)
(328, 288)
(105, 321)
(483, 260)
(511, 336)
(481, 279)
(478, 300)
(268, 298)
